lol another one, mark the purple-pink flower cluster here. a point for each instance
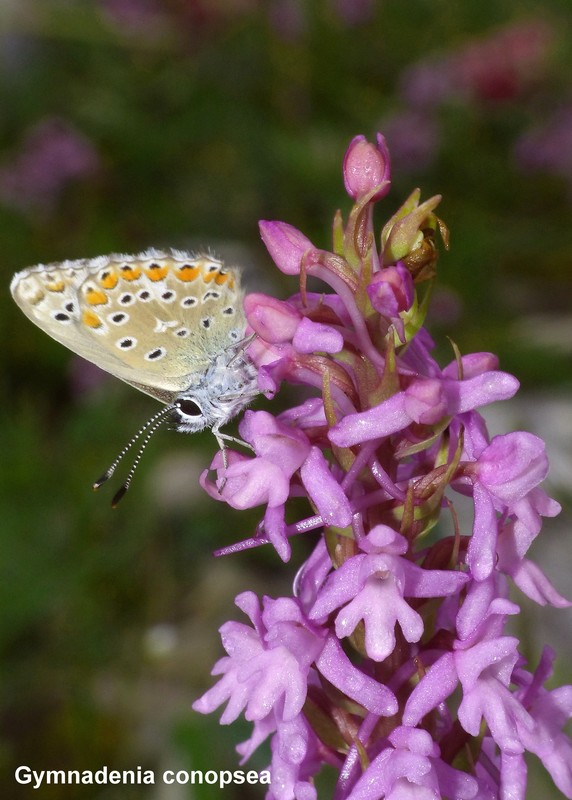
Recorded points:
(53, 155)
(391, 662)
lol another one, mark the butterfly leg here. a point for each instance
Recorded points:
(222, 439)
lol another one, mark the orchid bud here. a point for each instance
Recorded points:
(391, 291)
(285, 243)
(273, 320)
(367, 166)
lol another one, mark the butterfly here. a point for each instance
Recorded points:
(167, 322)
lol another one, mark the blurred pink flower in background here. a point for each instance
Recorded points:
(495, 67)
(53, 155)
(354, 12)
(548, 147)
(132, 16)
(502, 65)
(289, 18)
(413, 137)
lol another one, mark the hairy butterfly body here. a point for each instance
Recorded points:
(169, 323)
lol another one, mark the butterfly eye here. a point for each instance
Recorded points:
(189, 408)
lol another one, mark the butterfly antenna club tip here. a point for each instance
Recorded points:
(101, 480)
(119, 494)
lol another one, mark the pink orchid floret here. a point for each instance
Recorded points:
(505, 474)
(512, 465)
(424, 401)
(266, 666)
(391, 662)
(295, 758)
(484, 672)
(371, 589)
(410, 767)
(265, 479)
(550, 711)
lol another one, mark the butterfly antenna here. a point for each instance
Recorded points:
(152, 423)
(152, 427)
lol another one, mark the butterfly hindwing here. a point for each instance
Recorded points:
(153, 319)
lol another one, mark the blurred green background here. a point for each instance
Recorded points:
(131, 123)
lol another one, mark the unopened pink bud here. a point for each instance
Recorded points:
(391, 290)
(367, 166)
(285, 243)
(273, 320)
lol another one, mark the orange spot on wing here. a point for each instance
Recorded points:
(109, 279)
(222, 277)
(187, 273)
(56, 286)
(130, 273)
(91, 319)
(155, 272)
(96, 298)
